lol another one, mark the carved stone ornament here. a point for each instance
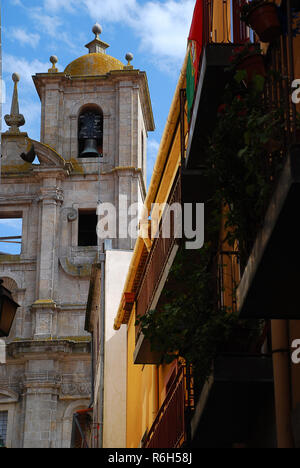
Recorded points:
(15, 120)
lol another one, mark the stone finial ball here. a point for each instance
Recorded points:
(129, 57)
(97, 29)
(15, 77)
(53, 59)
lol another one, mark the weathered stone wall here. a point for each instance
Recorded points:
(47, 375)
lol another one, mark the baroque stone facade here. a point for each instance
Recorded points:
(47, 374)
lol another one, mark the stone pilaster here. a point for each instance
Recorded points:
(40, 393)
(51, 197)
(45, 319)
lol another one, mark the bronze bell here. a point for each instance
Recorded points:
(29, 156)
(90, 149)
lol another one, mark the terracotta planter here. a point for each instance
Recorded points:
(264, 20)
(254, 65)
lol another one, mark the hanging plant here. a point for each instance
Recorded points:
(245, 156)
(249, 58)
(262, 17)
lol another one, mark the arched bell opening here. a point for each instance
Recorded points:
(90, 132)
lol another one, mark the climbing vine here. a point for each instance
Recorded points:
(243, 158)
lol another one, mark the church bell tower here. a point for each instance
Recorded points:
(95, 119)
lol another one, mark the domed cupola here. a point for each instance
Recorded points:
(96, 62)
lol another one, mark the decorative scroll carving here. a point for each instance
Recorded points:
(75, 388)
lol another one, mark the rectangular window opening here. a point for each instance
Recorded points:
(87, 224)
(3, 428)
(11, 225)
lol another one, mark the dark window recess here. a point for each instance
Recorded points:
(3, 428)
(90, 134)
(87, 235)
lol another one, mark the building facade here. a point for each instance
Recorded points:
(94, 121)
(247, 393)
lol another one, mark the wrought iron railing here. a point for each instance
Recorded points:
(222, 22)
(278, 93)
(157, 259)
(228, 279)
(169, 429)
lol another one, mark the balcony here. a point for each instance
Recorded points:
(268, 287)
(156, 269)
(241, 379)
(169, 427)
(226, 415)
(222, 31)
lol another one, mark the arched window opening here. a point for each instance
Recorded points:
(90, 133)
(82, 429)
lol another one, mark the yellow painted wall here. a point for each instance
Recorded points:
(141, 391)
(221, 22)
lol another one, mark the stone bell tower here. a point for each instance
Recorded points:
(95, 117)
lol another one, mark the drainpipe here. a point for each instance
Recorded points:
(92, 371)
(93, 381)
(102, 348)
(282, 383)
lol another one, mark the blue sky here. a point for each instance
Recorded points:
(154, 31)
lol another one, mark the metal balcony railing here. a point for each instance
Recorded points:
(157, 259)
(278, 93)
(169, 429)
(228, 278)
(222, 22)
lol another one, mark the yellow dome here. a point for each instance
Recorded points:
(93, 64)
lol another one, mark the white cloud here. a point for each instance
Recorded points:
(23, 37)
(153, 146)
(16, 224)
(28, 99)
(56, 5)
(24, 67)
(152, 150)
(49, 24)
(52, 26)
(161, 26)
(113, 10)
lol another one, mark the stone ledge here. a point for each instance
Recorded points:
(19, 348)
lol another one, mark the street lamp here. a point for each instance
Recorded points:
(8, 309)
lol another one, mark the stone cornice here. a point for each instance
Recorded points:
(44, 304)
(21, 199)
(16, 260)
(51, 194)
(23, 348)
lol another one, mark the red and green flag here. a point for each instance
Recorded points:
(195, 40)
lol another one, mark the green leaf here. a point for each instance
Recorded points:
(240, 76)
(259, 83)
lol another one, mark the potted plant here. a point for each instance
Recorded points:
(262, 17)
(249, 58)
